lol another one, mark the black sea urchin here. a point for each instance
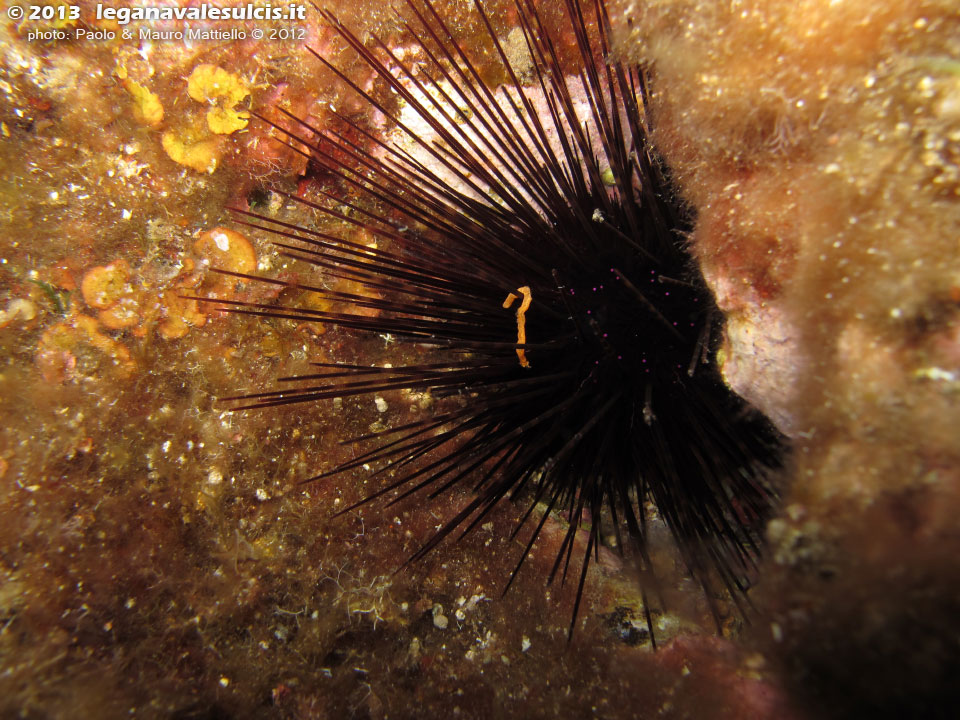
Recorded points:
(536, 244)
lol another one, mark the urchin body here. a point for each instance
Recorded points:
(535, 243)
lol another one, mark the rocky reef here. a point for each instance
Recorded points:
(158, 556)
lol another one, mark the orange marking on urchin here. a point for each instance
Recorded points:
(521, 320)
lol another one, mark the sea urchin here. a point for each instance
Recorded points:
(536, 245)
